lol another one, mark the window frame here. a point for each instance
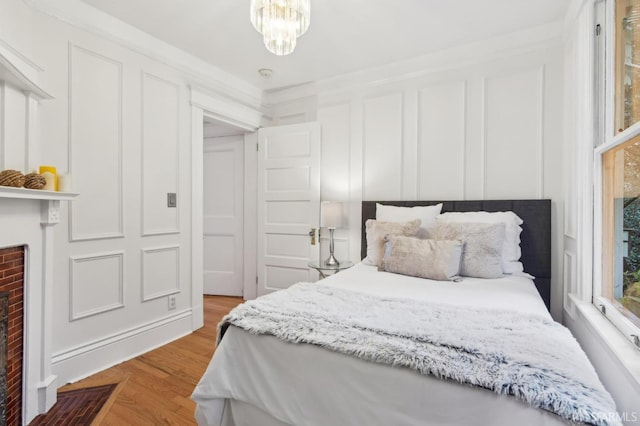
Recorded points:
(606, 139)
(611, 312)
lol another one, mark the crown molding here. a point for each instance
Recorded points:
(226, 111)
(520, 42)
(87, 17)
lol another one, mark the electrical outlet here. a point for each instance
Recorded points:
(172, 302)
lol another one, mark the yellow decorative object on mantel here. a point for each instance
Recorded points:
(50, 174)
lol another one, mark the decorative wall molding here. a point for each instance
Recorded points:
(226, 110)
(197, 217)
(146, 254)
(153, 147)
(483, 139)
(3, 119)
(541, 126)
(294, 118)
(521, 42)
(463, 118)
(539, 71)
(74, 234)
(74, 284)
(398, 149)
(31, 140)
(570, 284)
(80, 361)
(88, 18)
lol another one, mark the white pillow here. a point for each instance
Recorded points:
(426, 214)
(511, 248)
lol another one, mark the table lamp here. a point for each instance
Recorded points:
(331, 218)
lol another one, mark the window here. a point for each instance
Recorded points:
(621, 228)
(617, 276)
(627, 64)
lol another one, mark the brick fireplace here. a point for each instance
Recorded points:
(11, 334)
(27, 221)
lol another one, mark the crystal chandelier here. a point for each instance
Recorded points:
(280, 22)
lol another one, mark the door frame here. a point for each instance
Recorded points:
(204, 105)
(216, 145)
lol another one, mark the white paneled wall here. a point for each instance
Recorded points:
(382, 153)
(442, 111)
(161, 154)
(97, 284)
(512, 136)
(95, 144)
(160, 272)
(482, 130)
(12, 140)
(119, 126)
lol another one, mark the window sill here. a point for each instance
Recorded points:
(623, 349)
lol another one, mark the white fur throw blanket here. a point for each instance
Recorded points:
(530, 357)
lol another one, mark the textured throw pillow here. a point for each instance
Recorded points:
(511, 247)
(426, 214)
(482, 251)
(377, 230)
(432, 259)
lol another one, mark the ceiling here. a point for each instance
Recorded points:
(344, 35)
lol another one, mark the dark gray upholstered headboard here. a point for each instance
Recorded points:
(535, 237)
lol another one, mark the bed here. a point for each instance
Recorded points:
(258, 377)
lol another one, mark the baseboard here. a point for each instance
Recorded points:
(82, 361)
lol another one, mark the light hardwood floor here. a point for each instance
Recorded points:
(154, 388)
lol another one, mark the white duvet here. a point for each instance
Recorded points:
(518, 293)
(260, 380)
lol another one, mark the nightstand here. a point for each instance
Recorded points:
(326, 271)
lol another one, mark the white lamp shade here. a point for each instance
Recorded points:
(331, 214)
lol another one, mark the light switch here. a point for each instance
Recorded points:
(172, 199)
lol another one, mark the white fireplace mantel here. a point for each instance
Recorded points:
(28, 218)
(35, 194)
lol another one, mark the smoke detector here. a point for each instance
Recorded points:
(265, 72)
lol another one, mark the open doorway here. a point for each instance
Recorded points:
(223, 208)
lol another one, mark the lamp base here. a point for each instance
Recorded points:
(331, 261)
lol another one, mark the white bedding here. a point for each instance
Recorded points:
(511, 292)
(260, 380)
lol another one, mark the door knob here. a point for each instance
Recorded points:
(312, 234)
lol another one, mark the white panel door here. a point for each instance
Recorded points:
(288, 204)
(223, 216)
